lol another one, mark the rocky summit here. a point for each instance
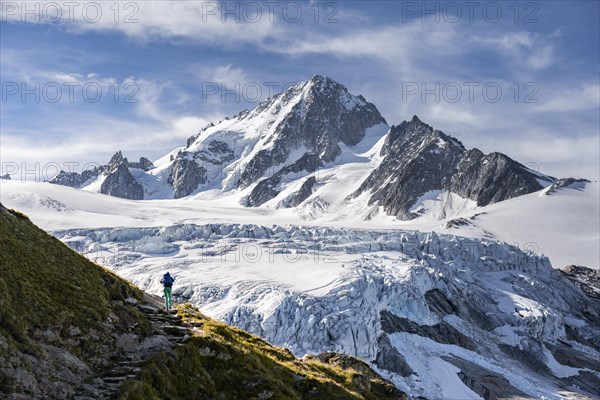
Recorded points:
(115, 177)
(419, 159)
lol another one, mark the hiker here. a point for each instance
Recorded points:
(167, 281)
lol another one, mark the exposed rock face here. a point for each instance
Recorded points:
(120, 183)
(419, 159)
(390, 359)
(190, 169)
(77, 180)
(268, 188)
(217, 153)
(143, 164)
(485, 383)
(566, 182)
(304, 193)
(116, 160)
(186, 176)
(439, 303)
(587, 279)
(326, 115)
(441, 333)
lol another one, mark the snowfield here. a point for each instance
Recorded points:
(562, 225)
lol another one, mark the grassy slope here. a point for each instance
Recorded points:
(46, 285)
(223, 362)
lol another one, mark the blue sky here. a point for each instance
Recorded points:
(162, 68)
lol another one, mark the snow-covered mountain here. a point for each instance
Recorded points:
(317, 148)
(312, 223)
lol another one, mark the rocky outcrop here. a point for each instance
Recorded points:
(363, 375)
(120, 183)
(588, 280)
(485, 383)
(117, 182)
(389, 359)
(5, 177)
(441, 332)
(75, 179)
(305, 191)
(572, 183)
(143, 164)
(268, 188)
(419, 159)
(439, 303)
(587, 380)
(186, 176)
(216, 153)
(116, 160)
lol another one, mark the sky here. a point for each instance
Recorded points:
(81, 80)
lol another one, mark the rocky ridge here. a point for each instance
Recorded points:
(419, 160)
(116, 178)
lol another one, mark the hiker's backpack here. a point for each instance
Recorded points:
(168, 280)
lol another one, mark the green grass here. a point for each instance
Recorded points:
(224, 362)
(44, 285)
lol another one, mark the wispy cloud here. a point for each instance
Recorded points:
(579, 97)
(526, 48)
(144, 21)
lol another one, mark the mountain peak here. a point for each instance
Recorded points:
(320, 79)
(325, 84)
(415, 120)
(116, 160)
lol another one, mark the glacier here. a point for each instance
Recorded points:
(429, 311)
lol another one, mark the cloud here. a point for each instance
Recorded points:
(385, 42)
(570, 98)
(209, 21)
(65, 141)
(227, 74)
(527, 48)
